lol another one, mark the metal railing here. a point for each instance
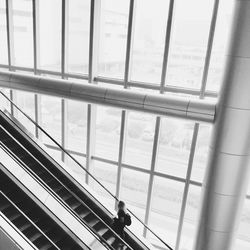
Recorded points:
(87, 172)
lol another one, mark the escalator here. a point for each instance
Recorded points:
(30, 219)
(50, 176)
(68, 190)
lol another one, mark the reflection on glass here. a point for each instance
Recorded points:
(108, 123)
(201, 153)
(78, 35)
(190, 218)
(188, 42)
(76, 118)
(149, 37)
(165, 208)
(174, 147)
(26, 102)
(139, 139)
(51, 118)
(3, 34)
(23, 30)
(113, 32)
(49, 32)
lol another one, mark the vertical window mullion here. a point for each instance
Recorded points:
(158, 119)
(95, 10)
(124, 116)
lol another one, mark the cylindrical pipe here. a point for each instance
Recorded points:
(163, 105)
(228, 169)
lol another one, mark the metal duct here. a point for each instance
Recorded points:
(163, 105)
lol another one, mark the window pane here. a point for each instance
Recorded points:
(76, 126)
(139, 139)
(55, 153)
(243, 238)
(113, 32)
(4, 103)
(165, 208)
(190, 218)
(75, 167)
(201, 153)
(149, 38)
(189, 40)
(106, 174)
(51, 118)
(108, 123)
(3, 34)
(134, 191)
(220, 43)
(78, 36)
(26, 102)
(23, 30)
(174, 147)
(49, 32)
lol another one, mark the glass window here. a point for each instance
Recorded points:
(201, 153)
(139, 139)
(149, 39)
(51, 119)
(55, 153)
(188, 42)
(3, 34)
(78, 170)
(221, 39)
(174, 147)
(76, 131)
(49, 33)
(4, 103)
(134, 189)
(113, 37)
(107, 175)
(243, 238)
(78, 35)
(108, 123)
(190, 218)
(26, 102)
(165, 208)
(23, 30)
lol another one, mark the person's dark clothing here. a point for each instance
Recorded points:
(120, 222)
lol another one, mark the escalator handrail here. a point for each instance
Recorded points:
(26, 217)
(78, 163)
(74, 195)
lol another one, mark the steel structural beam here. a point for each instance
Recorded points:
(228, 171)
(162, 105)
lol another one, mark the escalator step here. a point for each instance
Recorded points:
(65, 194)
(42, 243)
(4, 206)
(54, 236)
(15, 216)
(36, 236)
(73, 202)
(93, 222)
(90, 217)
(82, 211)
(21, 222)
(30, 231)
